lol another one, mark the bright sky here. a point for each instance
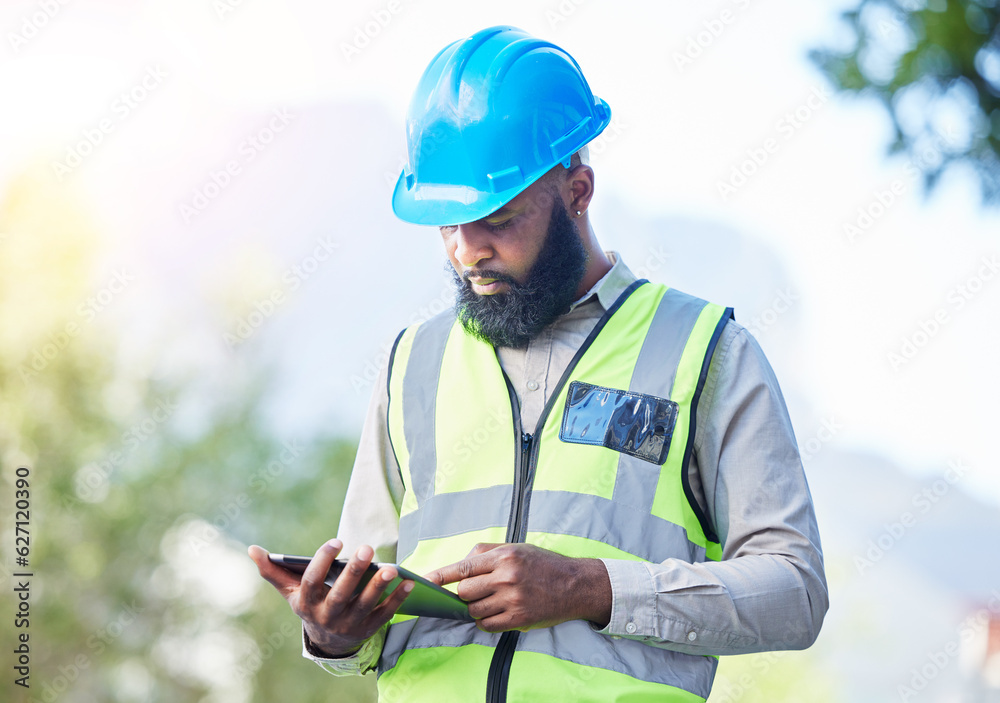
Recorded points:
(918, 272)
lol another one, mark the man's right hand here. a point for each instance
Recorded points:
(336, 621)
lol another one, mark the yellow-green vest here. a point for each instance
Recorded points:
(472, 474)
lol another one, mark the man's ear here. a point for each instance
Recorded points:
(580, 182)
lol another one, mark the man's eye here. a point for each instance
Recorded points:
(502, 225)
(448, 229)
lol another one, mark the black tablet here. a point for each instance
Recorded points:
(427, 599)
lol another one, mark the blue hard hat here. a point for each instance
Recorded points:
(492, 113)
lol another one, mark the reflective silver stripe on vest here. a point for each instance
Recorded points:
(574, 641)
(577, 642)
(447, 514)
(420, 386)
(612, 523)
(430, 632)
(668, 334)
(552, 512)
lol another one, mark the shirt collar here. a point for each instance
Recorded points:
(612, 285)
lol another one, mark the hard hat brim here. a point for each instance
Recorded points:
(440, 205)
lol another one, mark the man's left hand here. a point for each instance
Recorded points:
(521, 587)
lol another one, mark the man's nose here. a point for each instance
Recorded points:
(472, 244)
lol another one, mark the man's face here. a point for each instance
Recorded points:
(517, 269)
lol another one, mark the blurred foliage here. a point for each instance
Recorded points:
(142, 590)
(935, 66)
(772, 677)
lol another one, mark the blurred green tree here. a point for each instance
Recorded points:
(144, 495)
(935, 66)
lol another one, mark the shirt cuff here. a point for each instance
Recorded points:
(638, 613)
(633, 600)
(361, 662)
(635, 610)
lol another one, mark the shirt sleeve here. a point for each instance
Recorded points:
(769, 590)
(370, 516)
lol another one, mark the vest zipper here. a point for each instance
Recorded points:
(515, 530)
(517, 527)
(496, 681)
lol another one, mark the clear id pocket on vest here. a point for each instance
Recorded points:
(636, 424)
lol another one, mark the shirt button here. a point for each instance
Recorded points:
(631, 628)
(692, 636)
(532, 385)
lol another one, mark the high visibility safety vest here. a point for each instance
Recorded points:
(603, 474)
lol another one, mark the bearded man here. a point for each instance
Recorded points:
(602, 467)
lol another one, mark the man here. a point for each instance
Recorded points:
(603, 468)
